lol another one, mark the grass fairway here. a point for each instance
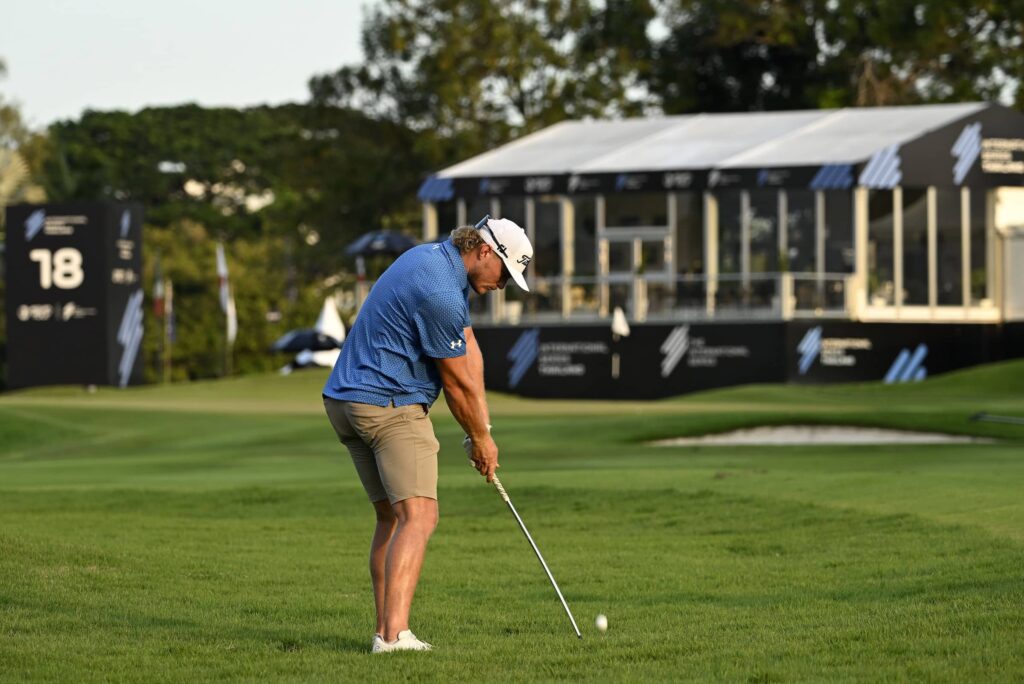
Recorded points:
(217, 531)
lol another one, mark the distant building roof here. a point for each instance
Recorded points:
(872, 146)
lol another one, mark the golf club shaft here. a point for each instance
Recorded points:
(504, 495)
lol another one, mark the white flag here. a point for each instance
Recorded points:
(222, 277)
(232, 320)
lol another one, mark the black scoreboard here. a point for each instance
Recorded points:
(74, 294)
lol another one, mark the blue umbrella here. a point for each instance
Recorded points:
(380, 242)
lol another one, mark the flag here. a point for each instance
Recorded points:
(158, 291)
(222, 277)
(170, 329)
(232, 320)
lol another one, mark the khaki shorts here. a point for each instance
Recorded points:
(393, 448)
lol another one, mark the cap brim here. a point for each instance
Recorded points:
(518, 277)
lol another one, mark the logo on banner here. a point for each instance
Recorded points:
(129, 334)
(538, 184)
(833, 177)
(966, 151)
(34, 223)
(883, 169)
(832, 352)
(908, 366)
(581, 184)
(126, 223)
(627, 181)
(674, 348)
(680, 179)
(522, 355)
(809, 348)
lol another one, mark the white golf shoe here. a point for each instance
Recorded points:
(406, 641)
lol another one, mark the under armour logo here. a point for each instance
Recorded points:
(455, 344)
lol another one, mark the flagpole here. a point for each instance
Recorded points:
(168, 336)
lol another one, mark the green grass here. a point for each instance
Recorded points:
(217, 531)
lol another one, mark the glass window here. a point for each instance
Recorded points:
(801, 222)
(764, 231)
(915, 246)
(636, 209)
(584, 257)
(690, 233)
(547, 239)
(652, 256)
(446, 217)
(948, 250)
(514, 209)
(979, 245)
(620, 256)
(880, 266)
(476, 208)
(729, 223)
(839, 250)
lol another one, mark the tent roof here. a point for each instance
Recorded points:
(704, 141)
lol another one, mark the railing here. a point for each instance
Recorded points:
(778, 296)
(657, 297)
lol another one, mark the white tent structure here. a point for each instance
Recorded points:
(329, 323)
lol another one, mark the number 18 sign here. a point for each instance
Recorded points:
(74, 294)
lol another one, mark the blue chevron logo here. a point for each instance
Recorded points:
(833, 177)
(907, 366)
(34, 223)
(966, 150)
(883, 169)
(522, 355)
(809, 349)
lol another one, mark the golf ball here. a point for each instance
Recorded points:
(601, 623)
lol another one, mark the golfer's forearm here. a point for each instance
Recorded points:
(469, 407)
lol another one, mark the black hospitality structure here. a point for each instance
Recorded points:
(806, 246)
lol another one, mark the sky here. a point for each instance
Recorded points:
(65, 56)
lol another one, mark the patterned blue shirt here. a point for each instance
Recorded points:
(416, 312)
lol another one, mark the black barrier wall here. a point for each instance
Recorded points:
(653, 361)
(657, 361)
(74, 294)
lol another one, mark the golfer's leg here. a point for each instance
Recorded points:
(417, 518)
(386, 522)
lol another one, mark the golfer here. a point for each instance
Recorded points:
(412, 337)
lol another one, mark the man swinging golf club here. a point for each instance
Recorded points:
(412, 337)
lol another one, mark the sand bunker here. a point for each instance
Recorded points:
(796, 435)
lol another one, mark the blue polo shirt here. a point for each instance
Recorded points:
(416, 312)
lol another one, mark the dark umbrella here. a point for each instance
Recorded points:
(380, 242)
(304, 338)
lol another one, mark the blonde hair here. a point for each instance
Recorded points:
(466, 238)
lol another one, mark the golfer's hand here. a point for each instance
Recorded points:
(483, 454)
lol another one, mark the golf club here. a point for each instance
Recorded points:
(504, 495)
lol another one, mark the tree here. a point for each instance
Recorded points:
(316, 176)
(470, 74)
(728, 55)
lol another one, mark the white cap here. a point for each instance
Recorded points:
(511, 244)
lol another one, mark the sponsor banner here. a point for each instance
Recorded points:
(653, 361)
(983, 150)
(71, 271)
(497, 186)
(665, 360)
(888, 352)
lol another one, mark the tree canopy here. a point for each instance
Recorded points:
(470, 74)
(318, 176)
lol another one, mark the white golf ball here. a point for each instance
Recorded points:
(601, 623)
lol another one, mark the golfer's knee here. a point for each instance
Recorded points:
(420, 513)
(385, 512)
